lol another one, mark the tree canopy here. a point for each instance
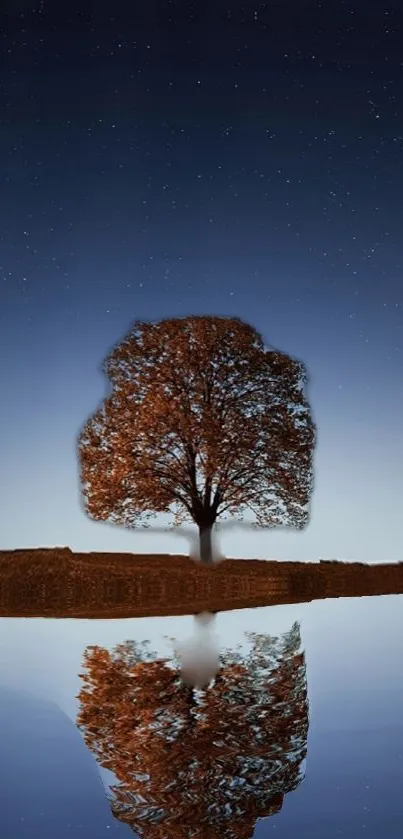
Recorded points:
(202, 421)
(200, 763)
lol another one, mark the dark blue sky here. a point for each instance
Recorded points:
(166, 158)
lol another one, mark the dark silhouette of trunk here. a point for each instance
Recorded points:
(205, 544)
(191, 709)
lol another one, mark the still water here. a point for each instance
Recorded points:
(307, 745)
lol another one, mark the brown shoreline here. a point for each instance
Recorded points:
(57, 583)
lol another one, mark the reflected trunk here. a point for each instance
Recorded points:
(191, 709)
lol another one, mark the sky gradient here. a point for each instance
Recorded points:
(165, 159)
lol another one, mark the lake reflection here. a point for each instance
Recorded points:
(249, 741)
(197, 762)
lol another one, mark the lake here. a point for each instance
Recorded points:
(263, 756)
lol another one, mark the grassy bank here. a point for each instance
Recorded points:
(55, 582)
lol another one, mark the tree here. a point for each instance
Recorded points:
(205, 763)
(202, 420)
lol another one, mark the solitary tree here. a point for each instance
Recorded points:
(202, 420)
(199, 763)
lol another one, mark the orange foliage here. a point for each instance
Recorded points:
(204, 419)
(197, 763)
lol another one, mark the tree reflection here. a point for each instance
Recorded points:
(197, 763)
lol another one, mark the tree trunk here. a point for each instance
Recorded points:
(205, 543)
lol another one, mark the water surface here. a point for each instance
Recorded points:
(349, 783)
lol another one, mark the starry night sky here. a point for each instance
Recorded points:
(162, 159)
